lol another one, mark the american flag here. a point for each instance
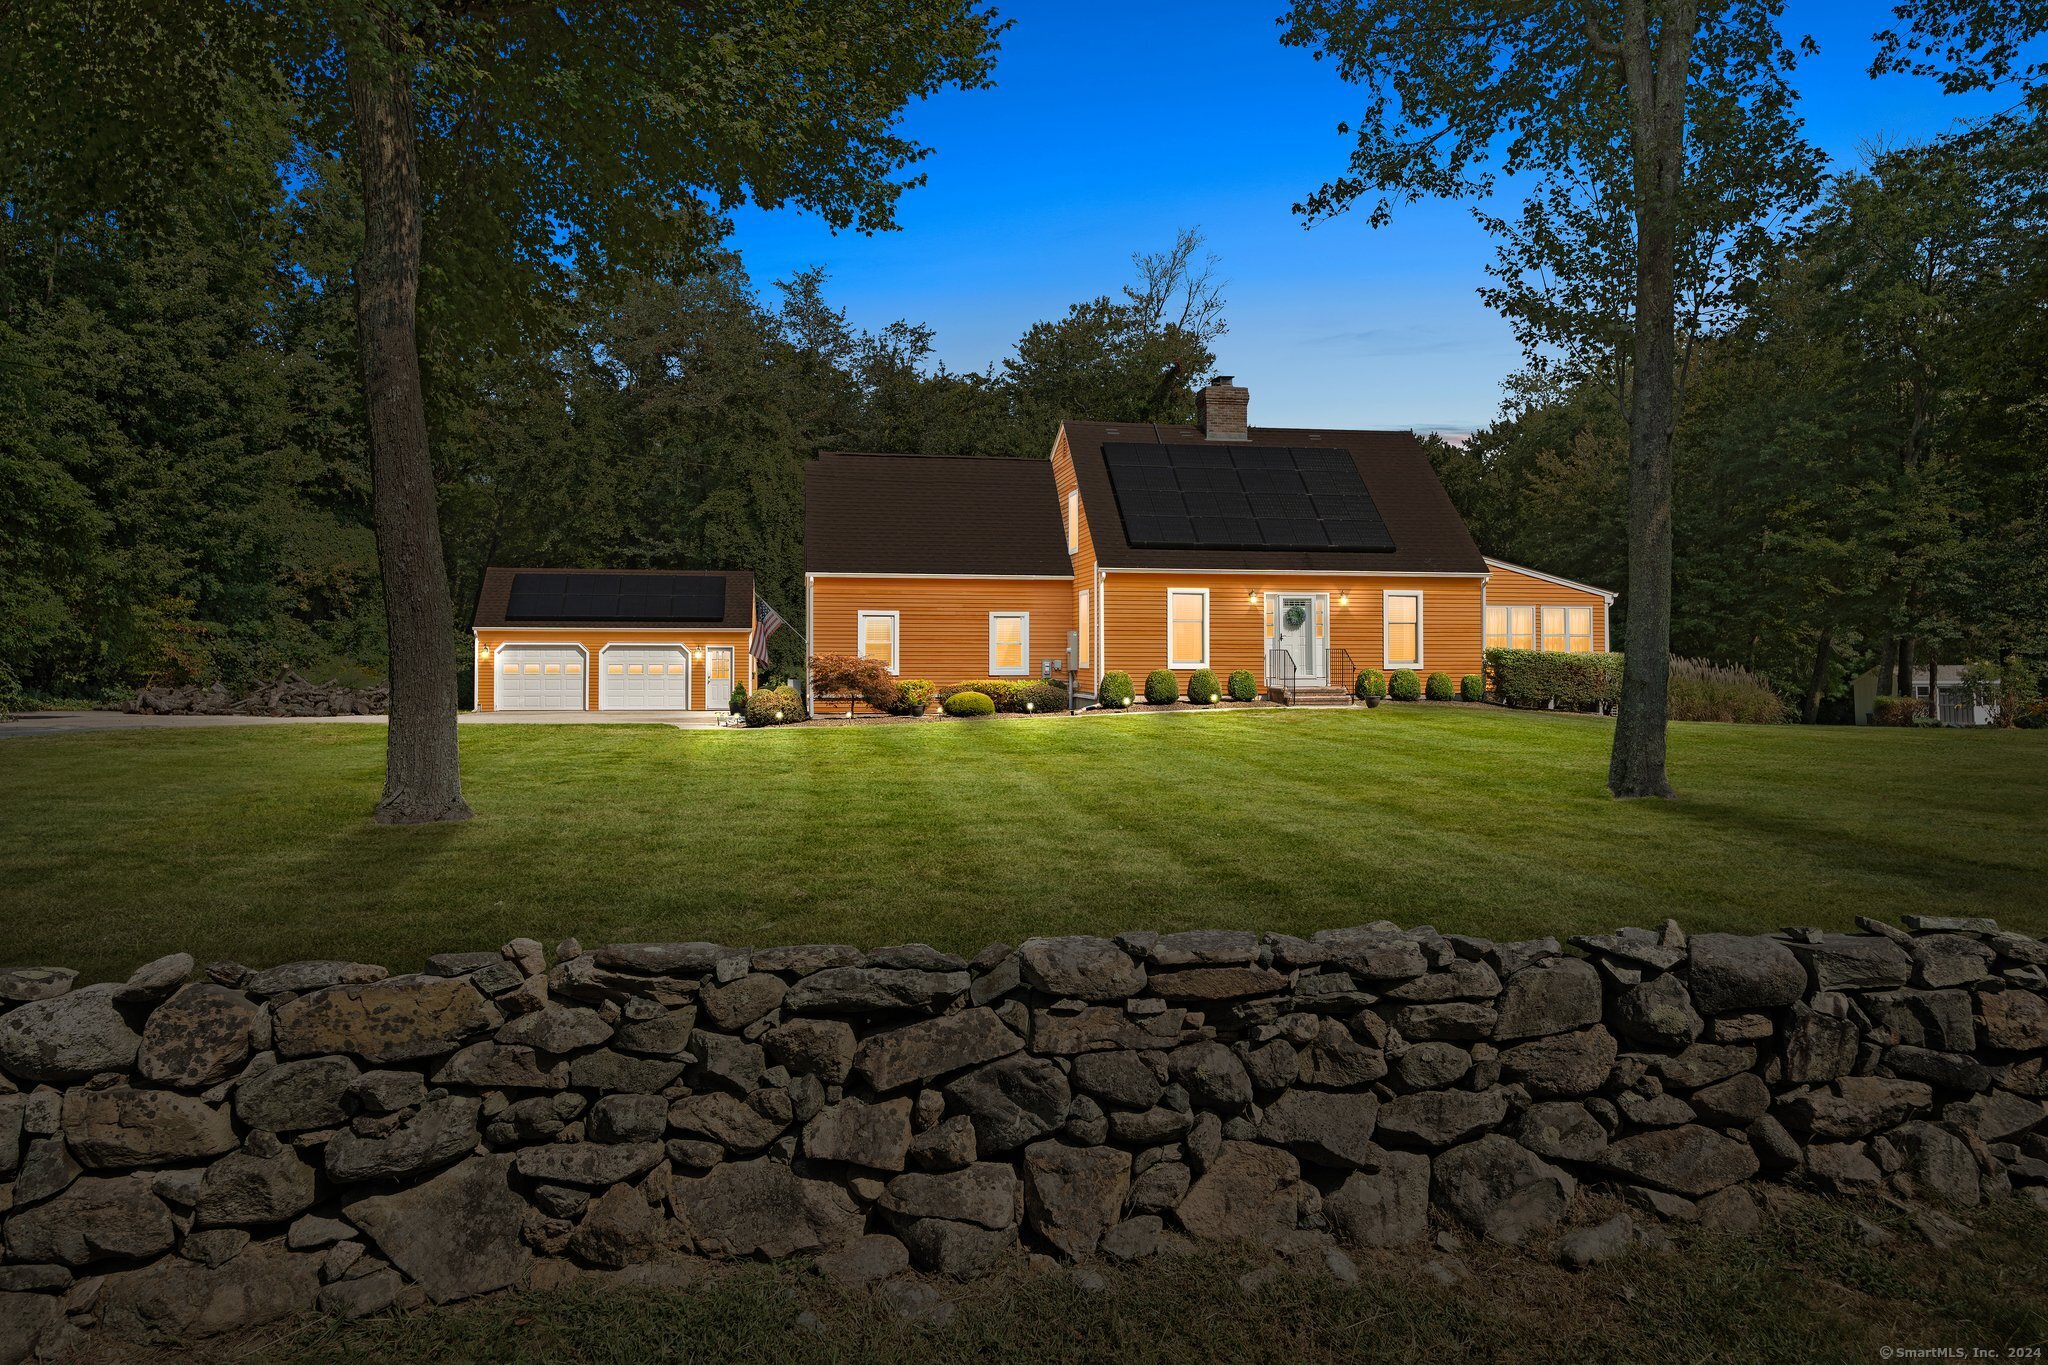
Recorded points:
(767, 621)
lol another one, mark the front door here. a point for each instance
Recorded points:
(718, 678)
(1297, 633)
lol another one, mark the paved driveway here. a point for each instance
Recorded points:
(76, 722)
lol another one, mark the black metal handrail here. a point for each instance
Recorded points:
(1280, 669)
(1345, 675)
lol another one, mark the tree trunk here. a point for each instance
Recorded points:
(422, 775)
(1809, 709)
(1905, 667)
(1656, 68)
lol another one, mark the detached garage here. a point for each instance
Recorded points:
(611, 639)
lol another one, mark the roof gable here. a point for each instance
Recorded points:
(1428, 534)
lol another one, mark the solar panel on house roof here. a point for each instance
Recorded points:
(616, 597)
(1242, 498)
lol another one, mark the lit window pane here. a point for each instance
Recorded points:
(1185, 630)
(1496, 627)
(554, 669)
(533, 668)
(615, 669)
(1401, 640)
(575, 669)
(878, 639)
(1401, 609)
(1521, 627)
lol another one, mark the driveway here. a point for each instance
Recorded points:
(31, 723)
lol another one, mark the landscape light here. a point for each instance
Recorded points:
(778, 715)
(1030, 706)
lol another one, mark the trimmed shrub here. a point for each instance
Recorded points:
(854, 678)
(1700, 690)
(774, 706)
(1114, 690)
(913, 697)
(969, 703)
(1203, 687)
(1404, 685)
(739, 699)
(1369, 684)
(1895, 710)
(1040, 697)
(1572, 682)
(1161, 687)
(1011, 694)
(1439, 688)
(1243, 686)
(1472, 687)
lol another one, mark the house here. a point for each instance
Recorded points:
(1302, 555)
(1956, 704)
(612, 639)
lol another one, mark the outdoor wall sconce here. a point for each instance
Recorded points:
(1252, 597)
(1343, 599)
(483, 652)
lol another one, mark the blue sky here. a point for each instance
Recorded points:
(1111, 125)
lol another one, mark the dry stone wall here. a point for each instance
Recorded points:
(181, 1157)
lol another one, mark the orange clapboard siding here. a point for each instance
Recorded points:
(1084, 557)
(1134, 620)
(943, 625)
(593, 644)
(1507, 587)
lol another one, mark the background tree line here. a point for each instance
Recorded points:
(1862, 462)
(183, 468)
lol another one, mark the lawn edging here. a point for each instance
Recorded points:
(192, 1157)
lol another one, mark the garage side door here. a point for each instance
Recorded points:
(540, 678)
(645, 678)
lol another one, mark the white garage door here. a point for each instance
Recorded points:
(645, 678)
(540, 678)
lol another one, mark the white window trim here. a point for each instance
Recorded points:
(1073, 521)
(1023, 668)
(1086, 635)
(1202, 662)
(860, 636)
(1387, 660)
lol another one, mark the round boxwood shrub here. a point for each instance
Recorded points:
(1371, 683)
(1162, 688)
(969, 704)
(739, 699)
(1115, 690)
(774, 706)
(1440, 687)
(1404, 685)
(1243, 686)
(1472, 687)
(1203, 687)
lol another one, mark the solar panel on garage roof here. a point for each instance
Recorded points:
(1242, 498)
(616, 597)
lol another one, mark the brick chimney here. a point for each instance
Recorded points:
(1223, 410)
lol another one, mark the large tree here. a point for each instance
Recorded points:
(507, 158)
(1651, 139)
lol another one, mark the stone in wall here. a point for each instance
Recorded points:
(325, 1136)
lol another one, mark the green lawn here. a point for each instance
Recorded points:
(254, 843)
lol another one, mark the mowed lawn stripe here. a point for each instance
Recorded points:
(254, 843)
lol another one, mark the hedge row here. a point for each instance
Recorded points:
(1536, 677)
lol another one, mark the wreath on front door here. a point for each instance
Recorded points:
(1296, 614)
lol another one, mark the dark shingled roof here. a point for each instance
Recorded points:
(496, 592)
(933, 514)
(1429, 535)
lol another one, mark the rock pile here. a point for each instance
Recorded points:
(289, 695)
(181, 1158)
